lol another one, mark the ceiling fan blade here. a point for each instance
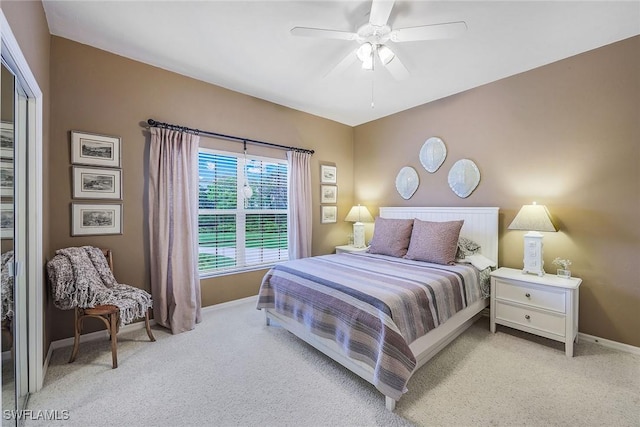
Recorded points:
(380, 11)
(344, 64)
(322, 33)
(397, 69)
(429, 32)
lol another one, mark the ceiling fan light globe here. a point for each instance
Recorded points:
(385, 54)
(365, 52)
(367, 64)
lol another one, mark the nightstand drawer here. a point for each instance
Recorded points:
(541, 305)
(531, 318)
(530, 295)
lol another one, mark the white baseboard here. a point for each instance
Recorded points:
(45, 366)
(610, 344)
(229, 304)
(98, 335)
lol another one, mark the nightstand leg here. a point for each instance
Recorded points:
(492, 307)
(568, 348)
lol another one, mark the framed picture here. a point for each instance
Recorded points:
(328, 194)
(6, 140)
(88, 220)
(6, 220)
(97, 183)
(97, 150)
(6, 178)
(328, 174)
(329, 214)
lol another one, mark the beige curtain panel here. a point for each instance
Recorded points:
(173, 229)
(300, 214)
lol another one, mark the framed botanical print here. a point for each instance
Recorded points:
(328, 194)
(6, 177)
(328, 174)
(95, 219)
(6, 140)
(97, 183)
(329, 214)
(96, 150)
(6, 220)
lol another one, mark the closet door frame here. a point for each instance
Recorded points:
(14, 58)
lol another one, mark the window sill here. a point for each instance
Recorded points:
(213, 274)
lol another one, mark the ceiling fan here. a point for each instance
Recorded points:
(373, 36)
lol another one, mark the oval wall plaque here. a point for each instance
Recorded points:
(407, 182)
(464, 177)
(432, 154)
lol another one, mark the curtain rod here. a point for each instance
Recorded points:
(154, 123)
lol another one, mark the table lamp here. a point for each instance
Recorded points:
(358, 215)
(533, 218)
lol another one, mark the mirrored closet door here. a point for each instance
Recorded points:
(13, 242)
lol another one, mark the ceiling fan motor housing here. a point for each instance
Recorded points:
(374, 34)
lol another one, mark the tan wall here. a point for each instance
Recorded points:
(566, 135)
(29, 26)
(95, 91)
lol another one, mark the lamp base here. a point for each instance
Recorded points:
(358, 235)
(533, 263)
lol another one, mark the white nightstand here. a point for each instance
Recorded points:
(541, 305)
(345, 249)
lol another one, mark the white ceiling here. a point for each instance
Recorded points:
(246, 46)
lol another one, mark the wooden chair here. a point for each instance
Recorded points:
(109, 315)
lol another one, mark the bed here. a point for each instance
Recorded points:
(384, 316)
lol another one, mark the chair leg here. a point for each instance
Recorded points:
(113, 324)
(76, 336)
(146, 324)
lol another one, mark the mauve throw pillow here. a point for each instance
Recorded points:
(391, 236)
(435, 242)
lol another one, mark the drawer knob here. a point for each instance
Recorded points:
(526, 316)
(528, 295)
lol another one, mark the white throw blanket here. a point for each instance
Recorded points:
(80, 277)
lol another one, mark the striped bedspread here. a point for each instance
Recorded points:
(373, 306)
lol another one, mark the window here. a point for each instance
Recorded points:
(236, 233)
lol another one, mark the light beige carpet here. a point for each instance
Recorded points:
(232, 370)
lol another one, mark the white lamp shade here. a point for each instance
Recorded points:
(359, 214)
(533, 218)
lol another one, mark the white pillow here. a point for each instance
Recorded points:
(480, 261)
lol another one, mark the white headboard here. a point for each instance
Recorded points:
(480, 224)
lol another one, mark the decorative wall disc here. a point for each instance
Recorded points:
(407, 182)
(464, 177)
(432, 154)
